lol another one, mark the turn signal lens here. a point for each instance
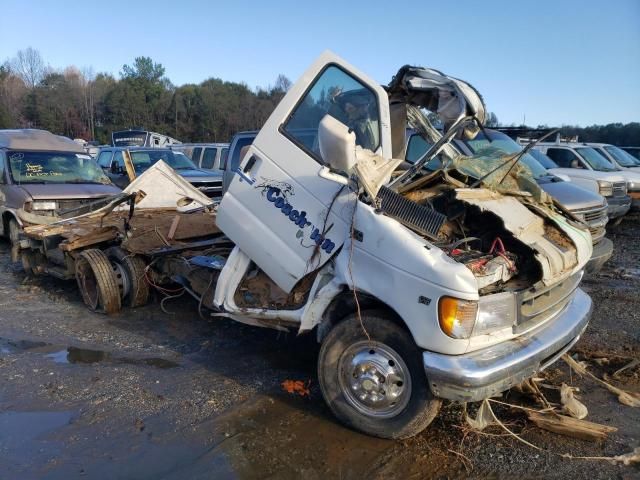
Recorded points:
(457, 317)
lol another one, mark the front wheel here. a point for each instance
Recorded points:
(377, 386)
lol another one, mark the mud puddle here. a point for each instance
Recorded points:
(28, 437)
(75, 355)
(287, 437)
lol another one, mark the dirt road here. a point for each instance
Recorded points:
(147, 394)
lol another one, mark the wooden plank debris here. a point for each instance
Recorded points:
(569, 426)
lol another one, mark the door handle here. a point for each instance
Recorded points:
(249, 165)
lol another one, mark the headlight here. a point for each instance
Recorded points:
(606, 188)
(43, 206)
(495, 312)
(457, 317)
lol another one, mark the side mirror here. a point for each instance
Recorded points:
(337, 144)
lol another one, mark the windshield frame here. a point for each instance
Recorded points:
(96, 175)
(617, 153)
(591, 157)
(176, 160)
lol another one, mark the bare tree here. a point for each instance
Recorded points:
(29, 66)
(88, 85)
(282, 83)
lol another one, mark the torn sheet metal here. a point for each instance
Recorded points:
(449, 97)
(374, 171)
(164, 188)
(557, 255)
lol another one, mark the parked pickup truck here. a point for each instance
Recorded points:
(112, 161)
(419, 286)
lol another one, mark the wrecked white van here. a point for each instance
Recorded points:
(455, 281)
(422, 284)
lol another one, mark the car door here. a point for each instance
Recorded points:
(117, 173)
(284, 207)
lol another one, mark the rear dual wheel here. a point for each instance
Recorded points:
(97, 282)
(110, 279)
(130, 275)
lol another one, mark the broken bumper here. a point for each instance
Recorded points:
(484, 373)
(602, 252)
(618, 206)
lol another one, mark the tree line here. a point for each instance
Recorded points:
(82, 104)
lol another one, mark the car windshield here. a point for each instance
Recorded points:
(143, 159)
(54, 167)
(595, 160)
(623, 158)
(543, 159)
(501, 144)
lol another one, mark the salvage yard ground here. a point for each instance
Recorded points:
(149, 394)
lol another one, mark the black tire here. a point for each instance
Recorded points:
(31, 260)
(97, 282)
(13, 230)
(417, 407)
(133, 266)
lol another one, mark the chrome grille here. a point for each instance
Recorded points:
(619, 189)
(64, 205)
(210, 189)
(596, 218)
(539, 304)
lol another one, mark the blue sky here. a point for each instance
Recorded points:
(555, 62)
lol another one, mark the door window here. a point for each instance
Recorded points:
(562, 156)
(338, 94)
(240, 144)
(2, 180)
(104, 159)
(223, 158)
(195, 155)
(118, 158)
(209, 158)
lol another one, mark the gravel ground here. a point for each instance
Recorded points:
(146, 394)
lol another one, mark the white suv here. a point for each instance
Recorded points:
(587, 168)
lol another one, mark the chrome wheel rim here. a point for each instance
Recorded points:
(374, 379)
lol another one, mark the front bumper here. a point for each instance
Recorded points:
(481, 374)
(618, 206)
(602, 252)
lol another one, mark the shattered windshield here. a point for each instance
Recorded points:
(54, 167)
(622, 157)
(143, 159)
(595, 160)
(500, 144)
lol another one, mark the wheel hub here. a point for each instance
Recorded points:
(122, 278)
(375, 379)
